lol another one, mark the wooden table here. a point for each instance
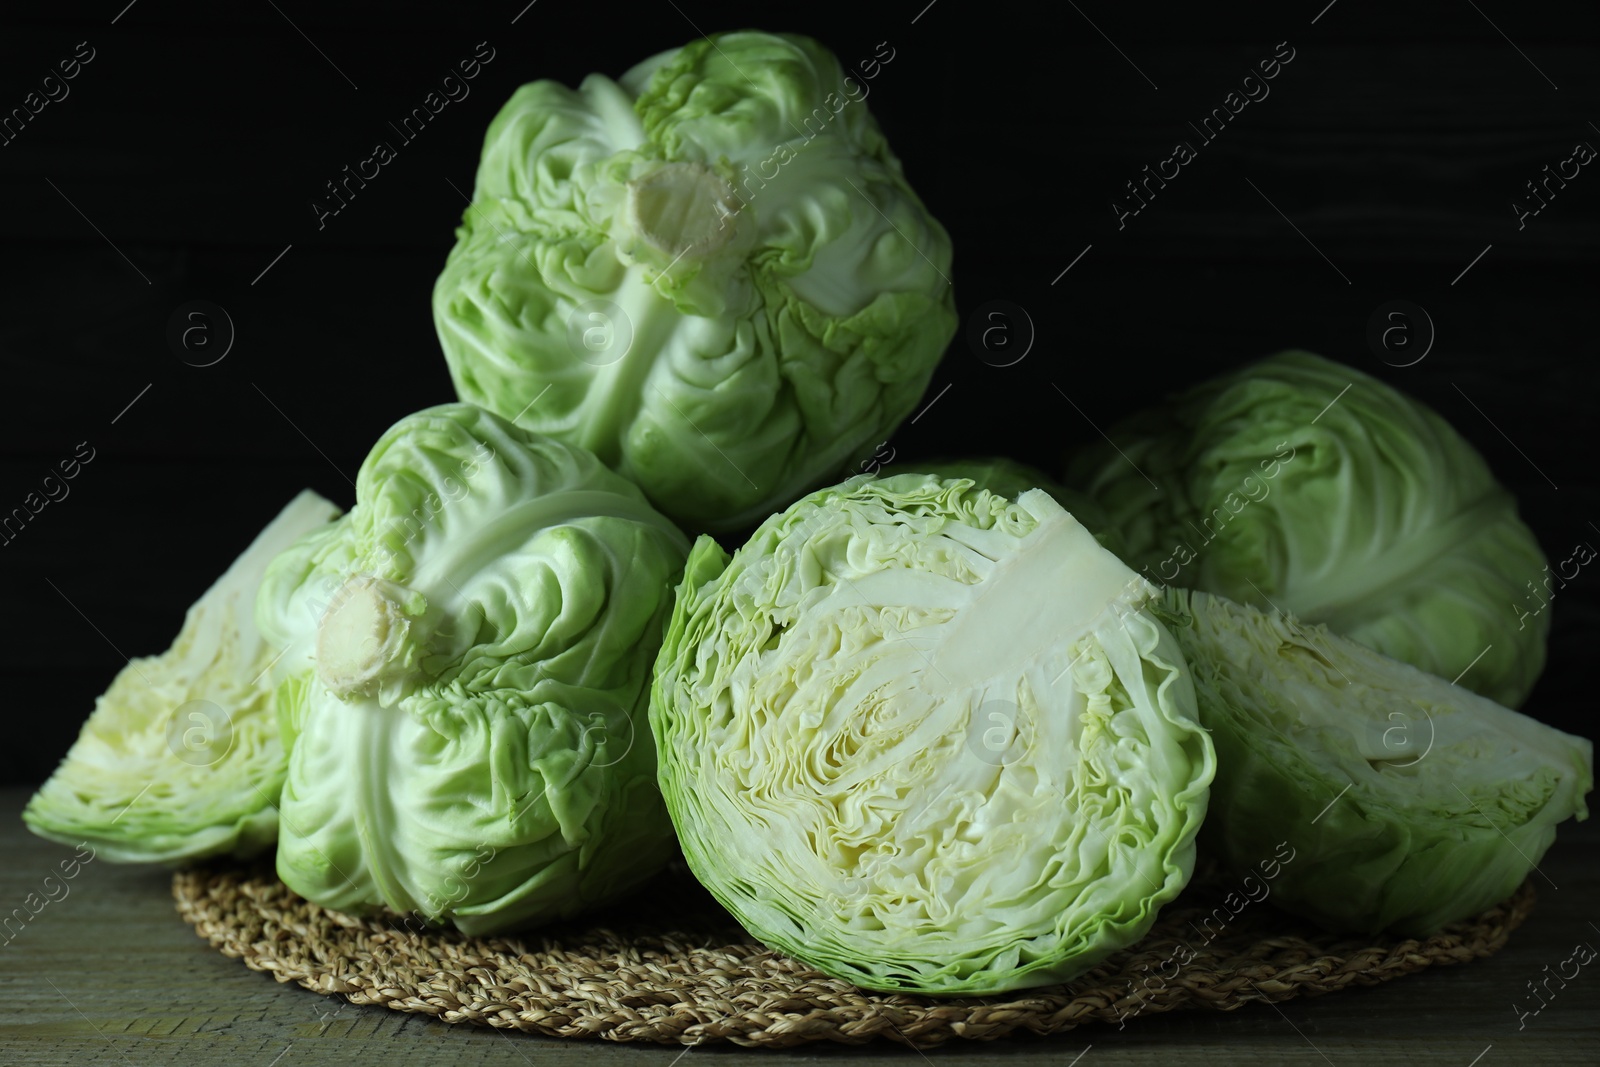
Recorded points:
(109, 974)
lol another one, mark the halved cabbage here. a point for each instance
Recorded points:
(1409, 802)
(924, 738)
(181, 757)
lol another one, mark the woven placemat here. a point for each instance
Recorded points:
(670, 966)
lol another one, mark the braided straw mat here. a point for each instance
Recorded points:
(670, 966)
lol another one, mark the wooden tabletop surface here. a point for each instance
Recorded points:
(108, 974)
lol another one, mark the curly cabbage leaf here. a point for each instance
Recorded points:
(1011, 479)
(1307, 485)
(712, 274)
(465, 681)
(925, 739)
(1409, 802)
(181, 758)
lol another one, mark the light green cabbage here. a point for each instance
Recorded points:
(465, 681)
(181, 758)
(1408, 802)
(1303, 484)
(1011, 479)
(924, 738)
(711, 273)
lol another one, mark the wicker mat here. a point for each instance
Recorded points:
(670, 966)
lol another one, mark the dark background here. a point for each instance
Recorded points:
(188, 152)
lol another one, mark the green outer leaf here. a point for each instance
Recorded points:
(819, 706)
(1410, 803)
(143, 786)
(494, 769)
(1306, 484)
(754, 372)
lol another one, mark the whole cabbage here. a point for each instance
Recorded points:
(925, 738)
(463, 680)
(1306, 485)
(710, 273)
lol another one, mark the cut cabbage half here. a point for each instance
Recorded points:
(924, 738)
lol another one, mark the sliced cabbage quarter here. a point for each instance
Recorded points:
(711, 272)
(465, 680)
(924, 738)
(1409, 802)
(181, 758)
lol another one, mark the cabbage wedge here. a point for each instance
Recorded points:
(924, 738)
(181, 758)
(1409, 802)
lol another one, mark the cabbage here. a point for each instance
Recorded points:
(1408, 802)
(180, 758)
(924, 738)
(464, 685)
(1010, 479)
(1308, 486)
(712, 274)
